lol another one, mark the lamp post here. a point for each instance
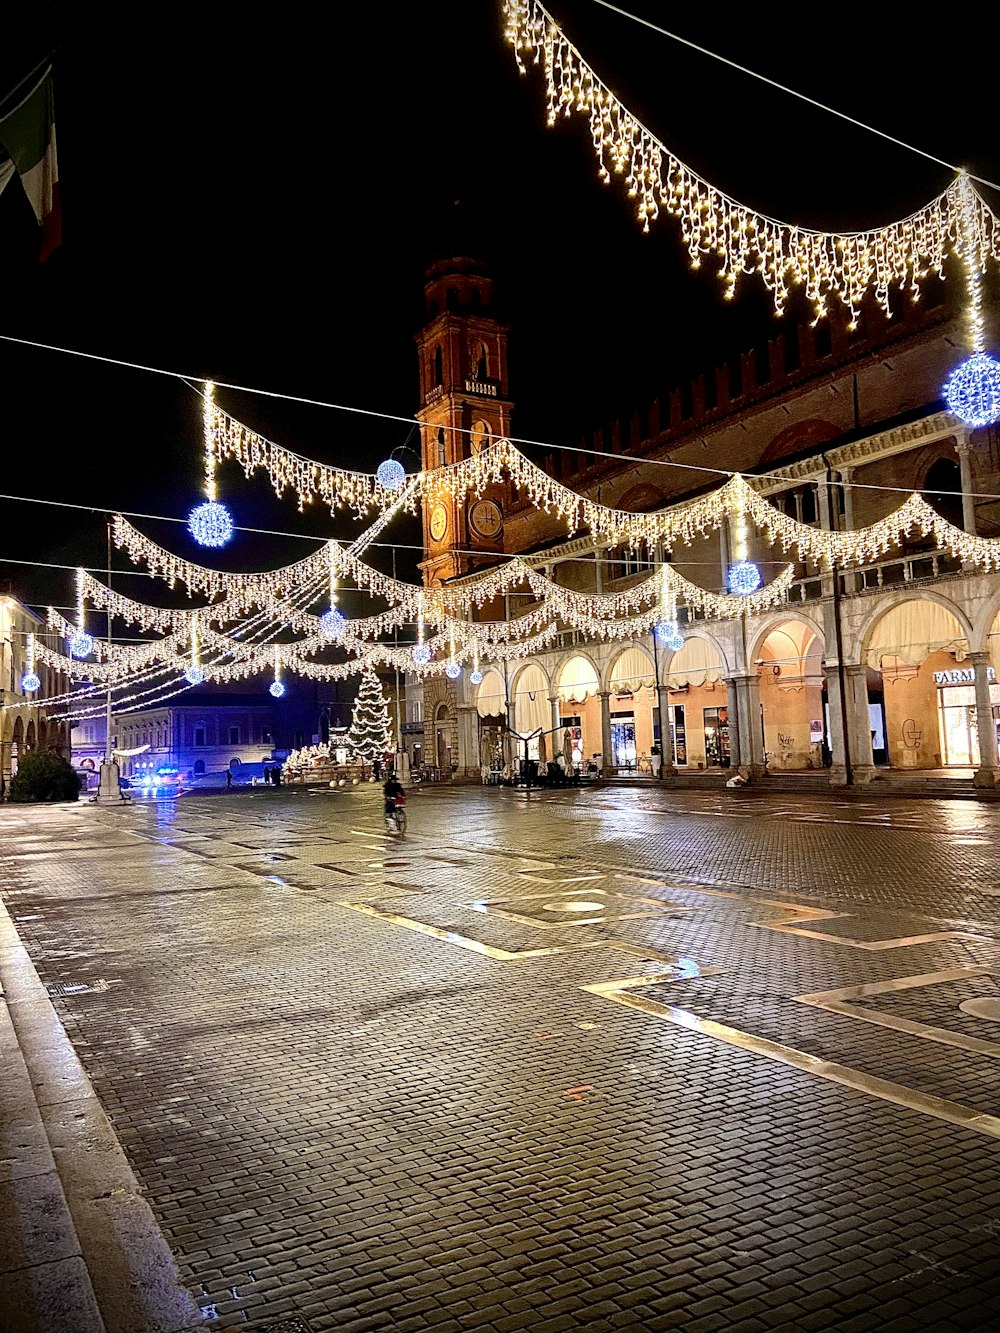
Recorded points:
(109, 790)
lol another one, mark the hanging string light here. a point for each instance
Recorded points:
(80, 643)
(194, 674)
(452, 670)
(421, 653)
(210, 523)
(475, 676)
(30, 681)
(842, 266)
(276, 687)
(667, 629)
(332, 622)
(972, 391)
(743, 577)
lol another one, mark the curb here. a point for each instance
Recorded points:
(80, 1250)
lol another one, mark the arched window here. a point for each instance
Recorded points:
(483, 364)
(441, 453)
(438, 365)
(199, 766)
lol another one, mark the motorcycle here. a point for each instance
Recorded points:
(395, 819)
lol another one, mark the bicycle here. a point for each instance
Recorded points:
(395, 819)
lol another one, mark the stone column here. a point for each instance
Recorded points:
(607, 757)
(988, 772)
(468, 741)
(965, 471)
(556, 725)
(667, 767)
(859, 735)
(733, 707)
(851, 581)
(750, 741)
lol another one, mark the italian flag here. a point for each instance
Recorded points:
(28, 134)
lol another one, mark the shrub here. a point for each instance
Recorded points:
(42, 776)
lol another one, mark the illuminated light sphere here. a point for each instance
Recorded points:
(80, 644)
(972, 390)
(391, 474)
(666, 630)
(676, 642)
(210, 524)
(453, 671)
(332, 623)
(744, 578)
(476, 678)
(276, 689)
(421, 654)
(30, 682)
(194, 675)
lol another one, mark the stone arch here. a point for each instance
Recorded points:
(698, 631)
(798, 438)
(776, 621)
(30, 735)
(523, 668)
(788, 658)
(862, 637)
(984, 628)
(642, 498)
(622, 651)
(565, 660)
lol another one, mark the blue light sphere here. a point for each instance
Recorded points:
(30, 682)
(476, 677)
(80, 644)
(276, 689)
(744, 578)
(332, 623)
(391, 474)
(972, 390)
(666, 630)
(210, 524)
(453, 671)
(194, 675)
(676, 641)
(421, 654)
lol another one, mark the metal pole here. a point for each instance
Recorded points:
(395, 642)
(845, 730)
(659, 707)
(107, 716)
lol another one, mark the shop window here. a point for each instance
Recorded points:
(716, 721)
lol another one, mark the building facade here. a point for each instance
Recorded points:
(25, 723)
(862, 671)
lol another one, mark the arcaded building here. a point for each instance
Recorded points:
(869, 670)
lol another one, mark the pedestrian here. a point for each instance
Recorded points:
(229, 778)
(276, 775)
(377, 770)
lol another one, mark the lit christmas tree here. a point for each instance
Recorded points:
(370, 736)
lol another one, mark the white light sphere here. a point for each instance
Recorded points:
(80, 644)
(30, 682)
(665, 631)
(210, 524)
(354, 782)
(421, 654)
(453, 671)
(391, 474)
(972, 390)
(743, 578)
(332, 623)
(342, 782)
(194, 675)
(276, 689)
(676, 642)
(476, 677)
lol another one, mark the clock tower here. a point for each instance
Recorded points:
(463, 407)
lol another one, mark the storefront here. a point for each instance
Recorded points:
(957, 725)
(697, 714)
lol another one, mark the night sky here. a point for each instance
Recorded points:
(258, 201)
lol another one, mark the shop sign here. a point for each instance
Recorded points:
(961, 676)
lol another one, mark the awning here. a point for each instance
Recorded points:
(491, 696)
(912, 630)
(577, 681)
(632, 671)
(697, 663)
(531, 701)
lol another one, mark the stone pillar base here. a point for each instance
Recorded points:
(109, 791)
(988, 778)
(838, 776)
(861, 773)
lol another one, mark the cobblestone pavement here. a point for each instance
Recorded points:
(615, 1059)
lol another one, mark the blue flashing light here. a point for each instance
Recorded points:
(276, 689)
(744, 578)
(80, 644)
(972, 390)
(30, 682)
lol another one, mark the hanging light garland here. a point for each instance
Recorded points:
(80, 643)
(420, 652)
(842, 266)
(210, 524)
(972, 391)
(333, 621)
(743, 576)
(276, 688)
(30, 681)
(194, 674)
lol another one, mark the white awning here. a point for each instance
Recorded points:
(912, 630)
(632, 671)
(531, 701)
(491, 696)
(577, 681)
(697, 663)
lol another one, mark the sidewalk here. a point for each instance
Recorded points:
(80, 1251)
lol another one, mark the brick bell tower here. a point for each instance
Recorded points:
(463, 405)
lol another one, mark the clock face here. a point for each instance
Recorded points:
(439, 522)
(485, 519)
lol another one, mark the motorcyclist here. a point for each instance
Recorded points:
(392, 789)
